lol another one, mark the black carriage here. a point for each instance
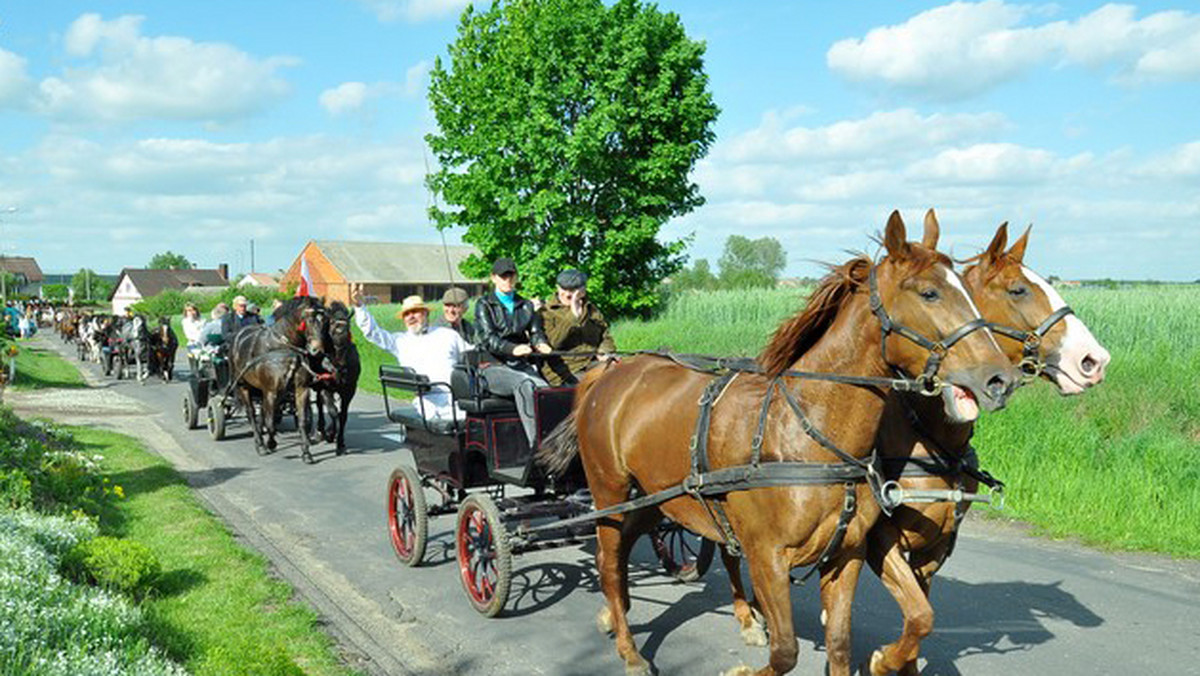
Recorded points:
(208, 389)
(481, 466)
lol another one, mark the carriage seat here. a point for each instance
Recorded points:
(408, 380)
(470, 391)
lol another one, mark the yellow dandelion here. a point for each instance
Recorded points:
(119, 491)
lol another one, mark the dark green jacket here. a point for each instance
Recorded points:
(565, 332)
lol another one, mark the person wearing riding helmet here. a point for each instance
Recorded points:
(509, 329)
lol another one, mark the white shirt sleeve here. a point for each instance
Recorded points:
(373, 331)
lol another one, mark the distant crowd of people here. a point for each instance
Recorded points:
(22, 318)
(527, 343)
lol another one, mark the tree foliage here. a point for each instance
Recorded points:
(168, 260)
(89, 286)
(751, 263)
(567, 130)
(698, 277)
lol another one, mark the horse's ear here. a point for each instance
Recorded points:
(895, 237)
(999, 241)
(1017, 252)
(930, 240)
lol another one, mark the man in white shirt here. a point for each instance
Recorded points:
(432, 352)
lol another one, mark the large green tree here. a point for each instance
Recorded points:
(751, 263)
(168, 260)
(567, 131)
(89, 287)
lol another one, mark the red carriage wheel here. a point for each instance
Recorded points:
(484, 557)
(408, 518)
(684, 555)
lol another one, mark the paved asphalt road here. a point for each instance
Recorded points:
(1006, 603)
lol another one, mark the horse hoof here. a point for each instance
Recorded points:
(604, 621)
(330, 437)
(341, 449)
(740, 670)
(271, 444)
(638, 669)
(307, 457)
(754, 635)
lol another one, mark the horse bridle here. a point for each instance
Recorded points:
(1032, 364)
(930, 384)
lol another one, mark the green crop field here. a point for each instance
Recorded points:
(1118, 466)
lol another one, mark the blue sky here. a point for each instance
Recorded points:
(127, 128)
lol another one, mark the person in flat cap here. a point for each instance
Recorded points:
(574, 324)
(454, 305)
(509, 329)
(431, 352)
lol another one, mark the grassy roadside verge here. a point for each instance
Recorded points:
(40, 368)
(215, 608)
(219, 611)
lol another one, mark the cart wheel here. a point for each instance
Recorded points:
(191, 412)
(484, 559)
(408, 517)
(216, 418)
(685, 556)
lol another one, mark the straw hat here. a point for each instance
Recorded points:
(412, 304)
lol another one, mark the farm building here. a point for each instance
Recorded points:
(134, 284)
(258, 279)
(28, 275)
(388, 271)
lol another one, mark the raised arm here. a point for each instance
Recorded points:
(371, 330)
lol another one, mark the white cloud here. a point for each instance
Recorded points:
(125, 76)
(962, 49)
(412, 10)
(354, 97)
(882, 134)
(14, 82)
(416, 78)
(995, 164)
(344, 98)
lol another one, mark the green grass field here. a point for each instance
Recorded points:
(1118, 466)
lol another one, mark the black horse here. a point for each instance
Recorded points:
(337, 391)
(163, 346)
(265, 360)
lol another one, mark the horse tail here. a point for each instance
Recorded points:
(560, 447)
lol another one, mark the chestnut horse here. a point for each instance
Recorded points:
(1038, 330)
(632, 422)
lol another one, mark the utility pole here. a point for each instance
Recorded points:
(4, 270)
(252, 255)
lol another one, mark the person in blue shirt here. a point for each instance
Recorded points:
(509, 329)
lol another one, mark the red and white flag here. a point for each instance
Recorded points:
(305, 288)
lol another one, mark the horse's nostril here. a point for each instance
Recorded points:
(997, 386)
(1088, 364)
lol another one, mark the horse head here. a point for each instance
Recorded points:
(1035, 326)
(340, 336)
(932, 327)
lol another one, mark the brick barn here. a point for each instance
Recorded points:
(388, 271)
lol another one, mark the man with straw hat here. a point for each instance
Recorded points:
(432, 352)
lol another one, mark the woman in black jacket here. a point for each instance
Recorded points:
(509, 329)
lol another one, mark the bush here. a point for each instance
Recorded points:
(115, 564)
(42, 468)
(170, 303)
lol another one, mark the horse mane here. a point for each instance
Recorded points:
(797, 335)
(338, 309)
(291, 305)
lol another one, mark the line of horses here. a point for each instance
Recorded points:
(124, 346)
(637, 428)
